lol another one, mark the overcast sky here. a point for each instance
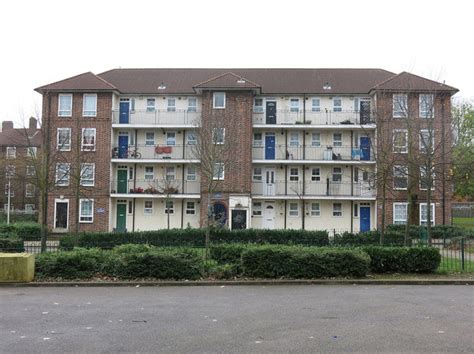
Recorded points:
(44, 41)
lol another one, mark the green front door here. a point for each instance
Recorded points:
(121, 215)
(122, 181)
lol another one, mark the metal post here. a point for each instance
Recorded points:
(462, 254)
(9, 198)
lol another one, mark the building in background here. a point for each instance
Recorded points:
(305, 148)
(18, 148)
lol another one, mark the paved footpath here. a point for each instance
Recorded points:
(238, 319)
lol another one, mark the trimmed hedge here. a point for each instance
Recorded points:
(128, 261)
(227, 253)
(27, 231)
(19, 217)
(437, 231)
(391, 238)
(403, 259)
(11, 244)
(195, 238)
(303, 262)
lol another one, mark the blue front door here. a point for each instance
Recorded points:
(123, 146)
(269, 147)
(365, 148)
(124, 112)
(364, 219)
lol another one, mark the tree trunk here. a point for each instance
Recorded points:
(382, 226)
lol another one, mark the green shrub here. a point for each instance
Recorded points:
(18, 217)
(224, 271)
(195, 238)
(403, 259)
(11, 245)
(28, 231)
(391, 238)
(227, 253)
(80, 263)
(303, 262)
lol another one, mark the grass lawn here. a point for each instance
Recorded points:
(466, 223)
(452, 265)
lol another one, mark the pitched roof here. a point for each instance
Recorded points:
(21, 137)
(406, 81)
(272, 81)
(227, 80)
(82, 82)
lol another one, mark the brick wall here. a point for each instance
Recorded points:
(100, 192)
(386, 159)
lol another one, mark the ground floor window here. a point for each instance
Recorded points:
(337, 209)
(29, 208)
(86, 211)
(190, 208)
(294, 210)
(257, 209)
(148, 207)
(169, 207)
(315, 209)
(424, 214)
(400, 213)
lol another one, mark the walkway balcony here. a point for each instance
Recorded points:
(157, 187)
(312, 153)
(157, 117)
(312, 189)
(154, 152)
(287, 117)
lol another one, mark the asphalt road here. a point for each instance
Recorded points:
(243, 319)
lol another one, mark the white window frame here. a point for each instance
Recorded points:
(337, 108)
(315, 107)
(315, 212)
(399, 111)
(171, 104)
(86, 219)
(170, 138)
(400, 149)
(191, 138)
(150, 141)
(423, 176)
(147, 175)
(334, 211)
(315, 139)
(29, 208)
(426, 106)
(29, 190)
(88, 146)
(429, 133)
(294, 139)
(214, 100)
(171, 209)
(219, 171)
(424, 222)
(292, 212)
(315, 177)
(31, 152)
(258, 108)
(403, 170)
(190, 210)
(336, 142)
(148, 210)
(89, 182)
(170, 173)
(63, 147)
(191, 173)
(192, 108)
(63, 182)
(11, 152)
(396, 220)
(218, 136)
(10, 170)
(257, 209)
(30, 170)
(294, 177)
(64, 112)
(150, 107)
(294, 108)
(336, 171)
(259, 141)
(89, 112)
(257, 174)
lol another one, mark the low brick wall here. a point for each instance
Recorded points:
(17, 267)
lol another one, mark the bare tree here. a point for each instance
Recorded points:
(168, 187)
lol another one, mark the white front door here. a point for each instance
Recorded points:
(269, 186)
(269, 216)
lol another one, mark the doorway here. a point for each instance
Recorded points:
(239, 219)
(61, 214)
(364, 211)
(121, 224)
(269, 217)
(270, 112)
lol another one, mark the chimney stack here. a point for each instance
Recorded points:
(7, 125)
(33, 123)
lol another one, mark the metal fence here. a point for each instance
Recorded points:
(457, 255)
(35, 246)
(463, 210)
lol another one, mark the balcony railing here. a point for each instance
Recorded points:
(326, 153)
(314, 118)
(155, 186)
(312, 189)
(157, 152)
(156, 117)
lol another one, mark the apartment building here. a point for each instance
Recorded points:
(304, 148)
(18, 151)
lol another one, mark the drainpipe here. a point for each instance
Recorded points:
(133, 215)
(184, 146)
(352, 180)
(444, 165)
(302, 200)
(182, 213)
(352, 216)
(304, 108)
(284, 226)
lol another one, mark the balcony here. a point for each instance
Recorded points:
(318, 153)
(312, 189)
(288, 117)
(154, 152)
(158, 187)
(156, 117)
